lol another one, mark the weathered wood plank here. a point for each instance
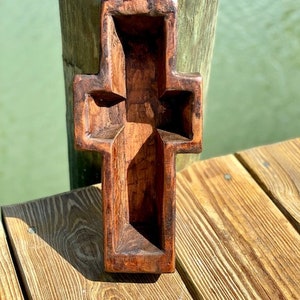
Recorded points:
(58, 242)
(9, 284)
(277, 169)
(232, 241)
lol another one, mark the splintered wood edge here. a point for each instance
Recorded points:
(232, 241)
(57, 244)
(276, 168)
(9, 284)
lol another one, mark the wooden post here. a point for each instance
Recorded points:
(81, 55)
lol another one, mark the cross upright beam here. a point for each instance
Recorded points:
(138, 112)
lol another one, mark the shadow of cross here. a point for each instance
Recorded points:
(138, 112)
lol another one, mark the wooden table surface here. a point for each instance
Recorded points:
(238, 222)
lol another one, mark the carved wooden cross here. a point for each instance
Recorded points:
(138, 112)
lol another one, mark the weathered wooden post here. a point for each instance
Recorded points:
(196, 21)
(138, 112)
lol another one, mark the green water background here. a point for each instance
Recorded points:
(254, 94)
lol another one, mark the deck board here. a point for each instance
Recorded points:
(277, 169)
(9, 284)
(232, 241)
(58, 241)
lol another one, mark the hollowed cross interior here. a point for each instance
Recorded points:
(140, 127)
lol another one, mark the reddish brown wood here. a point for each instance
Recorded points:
(138, 112)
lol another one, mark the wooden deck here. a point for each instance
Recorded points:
(238, 222)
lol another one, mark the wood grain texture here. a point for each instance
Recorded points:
(277, 169)
(58, 243)
(81, 53)
(9, 284)
(232, 241)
